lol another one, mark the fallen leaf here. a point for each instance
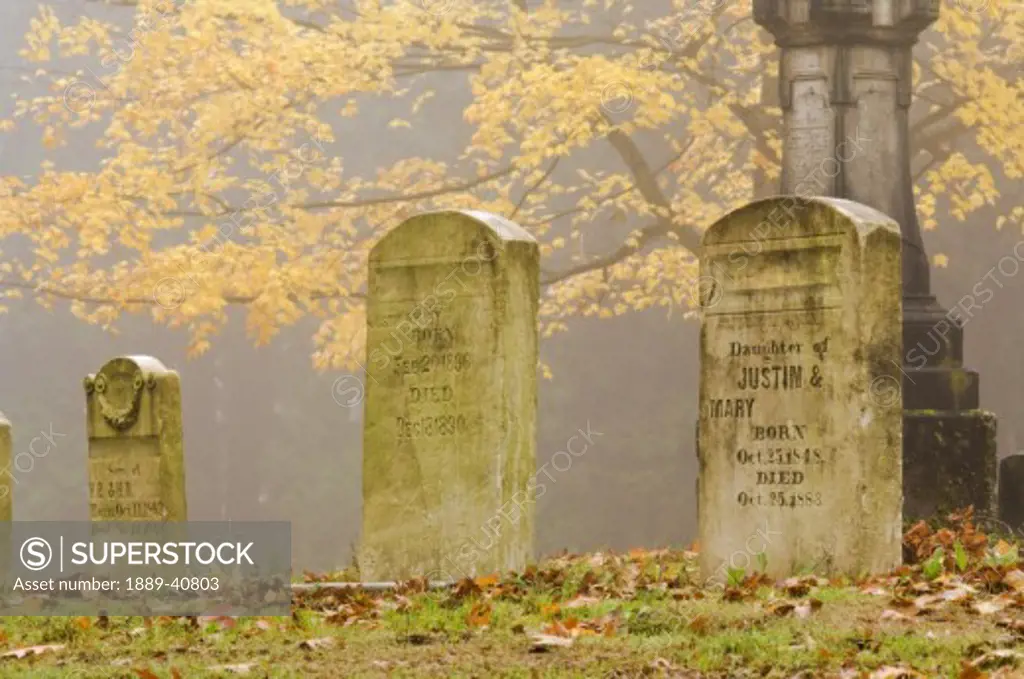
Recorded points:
(1014, 625)
(487, 581)
(20, 653)
(992, 605)
(781, 608)
(1002, 657)
(479, 615)
(143, 673)
(699, 624)
(896, 673)
(581, 602)
(1015, 580)
(240, 668)
(549, 609)
(889, 614)
(958, 593)
(542, 643)
(1002, 548)
(311, 644)
(969, 671)
(796, 586)
(221, 622)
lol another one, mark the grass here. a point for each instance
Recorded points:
(604, 615)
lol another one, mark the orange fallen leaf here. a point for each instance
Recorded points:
(487, 580)
(699, 624)
(1015, 580)
(479, 615)
(550, 609)
(781, 608)
(143, 673)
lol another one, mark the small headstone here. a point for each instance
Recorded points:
(800, 423)
(136, 465)
(1011, 493)
(451, 399)
(7, 473)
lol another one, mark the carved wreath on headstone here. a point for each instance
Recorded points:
(118, 392)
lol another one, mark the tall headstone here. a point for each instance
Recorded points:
(7, 473)
(451, 399)
(800, 420)
(1011, 494)
(845, 83)
(136, 465)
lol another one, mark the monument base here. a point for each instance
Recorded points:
(949, 462)
(1011, 494)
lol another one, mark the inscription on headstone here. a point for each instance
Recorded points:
(800, 423)
(136, 466)
(450, 398)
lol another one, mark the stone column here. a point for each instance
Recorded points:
(845, 90)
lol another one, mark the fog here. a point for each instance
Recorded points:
(266, 439)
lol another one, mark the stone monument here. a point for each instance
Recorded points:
(845, 79)
(800, 416)
(1011, 494)
(451, 399)
(136, 466)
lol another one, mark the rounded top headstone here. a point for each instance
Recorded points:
(442, 233)
(119, 384)
(795, 216)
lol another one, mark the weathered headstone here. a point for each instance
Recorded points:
(136, 465)
(451, 398)
(800, 421)
(7, 473)
(1011, 493)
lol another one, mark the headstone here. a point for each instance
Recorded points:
(7, 475)
(800, 422)
(1011, 494)
(136, 465)
(845, 88)
(451, 399)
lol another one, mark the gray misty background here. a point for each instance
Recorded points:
(265, 439)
